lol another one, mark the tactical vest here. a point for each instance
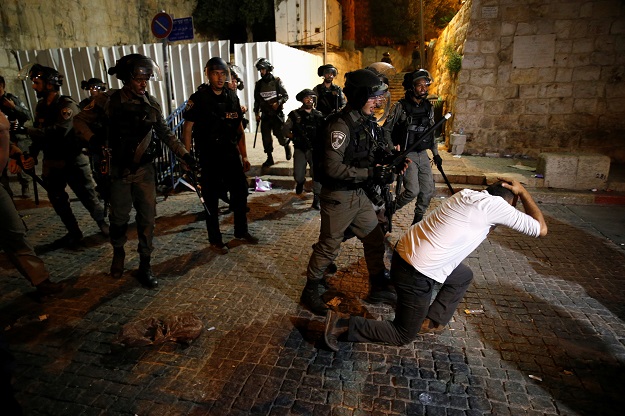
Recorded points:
(219, 128)
(306, 127)
(57, 145)
(360, 150)
(414, 121)
(269, 94)
(328, 99)
(129, 123)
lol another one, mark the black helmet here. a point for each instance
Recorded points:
(305, 93)
(262, 63)
(134, 65)
(411, 77)
(324, 69)
(96, 83)
(49, 75)
(362, 84)
(216, 63)
(234, 73)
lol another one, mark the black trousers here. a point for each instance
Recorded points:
(414, 294)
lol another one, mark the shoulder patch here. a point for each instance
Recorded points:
(188, 106)
(337, 139)
(67, 113)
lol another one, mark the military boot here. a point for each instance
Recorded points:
(381, 290)
(315, 203)
(117, 266)
(417, 218)
(269, 161)
(311, 299)
(144, 274)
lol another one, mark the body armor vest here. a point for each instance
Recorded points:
(414, 121)
(306, 127)
(130, 123)
(218, 130)
(328, 100)
(57, 145)
(360, 150)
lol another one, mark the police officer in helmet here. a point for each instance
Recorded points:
(303, 127)
(349, 169)
(95, 86)
(213, 122)
(269, 97)
(408, 118)
(63, 160)
(131, 115)
(330, 96)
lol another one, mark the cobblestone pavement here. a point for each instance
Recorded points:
(550, 340)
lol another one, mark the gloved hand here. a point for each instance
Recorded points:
(190, 162)
(438, 161)
(382, 175)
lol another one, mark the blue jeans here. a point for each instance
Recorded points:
(414, 293)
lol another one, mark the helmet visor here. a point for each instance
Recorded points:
(146, 70)
(382, 106)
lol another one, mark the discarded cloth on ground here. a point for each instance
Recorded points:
(183, 328)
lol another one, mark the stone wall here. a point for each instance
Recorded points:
(30, 25)
(565, 92)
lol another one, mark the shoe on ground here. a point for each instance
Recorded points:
(417, 218)
(299, 188)
(269, 161)
(430, 327)
(117, 265)
(47, 288)
(25, 191)
(219, 248)
(332, 268)
(315, 203)
(385, 295)
(332, 331)
(310, 298)
(249, 238)
(71, 240)
(146, 278)
(287, 151)
(104, 228)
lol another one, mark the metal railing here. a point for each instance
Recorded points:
(168, 169)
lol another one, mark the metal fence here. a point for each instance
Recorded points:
(185, 68)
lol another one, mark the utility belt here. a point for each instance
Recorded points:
(344, 186)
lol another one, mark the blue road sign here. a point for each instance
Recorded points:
(183, 29)
(162, 24)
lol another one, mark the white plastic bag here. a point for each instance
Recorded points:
(262, 186)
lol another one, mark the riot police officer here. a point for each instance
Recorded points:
(408, 118)
(213, 118)
(64, 162)
(303, 127)
(131, 115)
(95, 86)
(349, 169)
(330, 96)
(269, 97)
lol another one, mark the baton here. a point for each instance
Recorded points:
(256, 135)
(440, 169)
(197, 188)
(400, 158)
